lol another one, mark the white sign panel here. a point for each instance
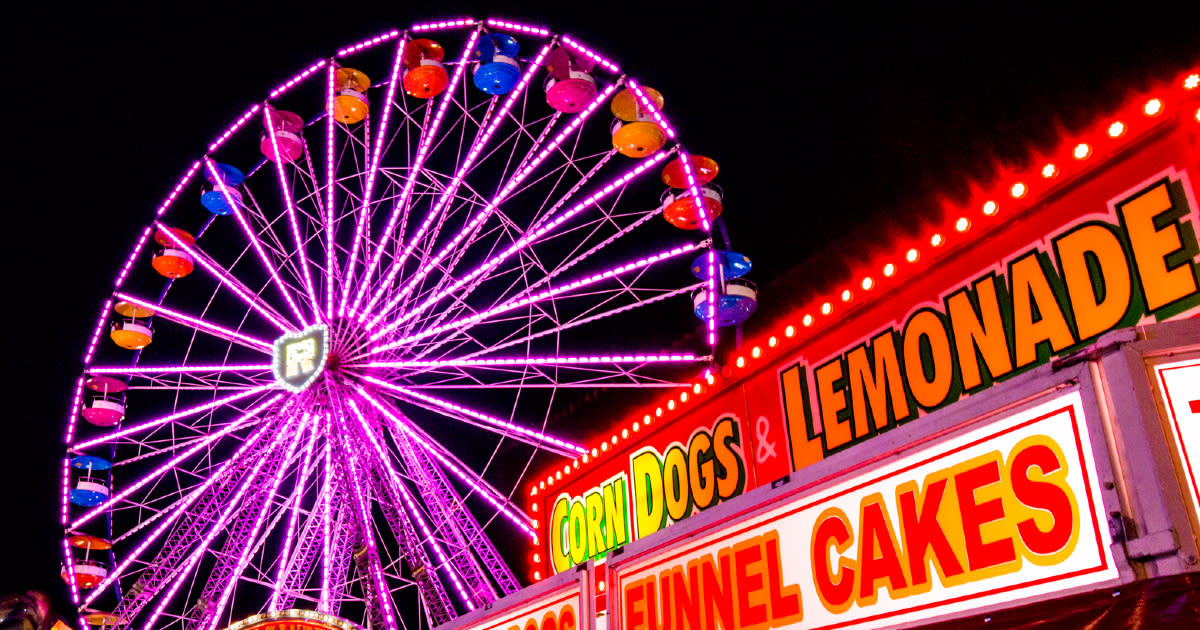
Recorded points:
(557, 610)
(1007, 511)
(1180, 387)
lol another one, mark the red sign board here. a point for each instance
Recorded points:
(1102, 237)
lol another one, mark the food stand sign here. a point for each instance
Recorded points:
(994, 514)
(1102, 237)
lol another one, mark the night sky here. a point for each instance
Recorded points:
(824, 121)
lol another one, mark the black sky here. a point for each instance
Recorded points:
(823, 118)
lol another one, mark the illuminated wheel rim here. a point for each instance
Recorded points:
(380, 325)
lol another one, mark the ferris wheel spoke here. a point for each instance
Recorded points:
(174, 461)
(227, 280)
(377, 155)
(482, 216)
(290, 208)
(249, 232)
(428, 136)
(149, 424)
(172, 513)
(196, 323)
(572, 259)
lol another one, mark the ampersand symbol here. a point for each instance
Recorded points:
(766, 449)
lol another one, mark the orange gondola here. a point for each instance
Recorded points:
(350, 101)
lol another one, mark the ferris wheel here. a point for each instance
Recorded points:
(334, 352)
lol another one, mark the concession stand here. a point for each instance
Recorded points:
(997, 423)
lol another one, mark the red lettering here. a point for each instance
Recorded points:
(877, 555)
(749, 583)
(785, 602)
(981, 555)
(549, 621)
(717, 592)
(635, 595)
(566, 619)
(835, 589)
(922, 533)
(1042, 495)
(687, 601)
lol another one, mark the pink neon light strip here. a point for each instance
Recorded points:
(294, 517)
(694, 188)
(500, 503)
(537, 297)
(330, 248)
(365, 519)
(291, 211)
(472, 155)
(74, 410)
(711, 258)
(172, 417)
(326, 525)
(437, 26)
(408, 501)
(64, 495)
(377, 155)
(99, 329)
(233, 506)
(225, 279)
(418, 163)
(194, 322)
(258, 248)
(523, 242)
(179, 510)
(133, 255)
(591, 54)
(177, 369)
(373, 170)
(523, 361)
(649, 106)
(368, 43)
(68, 560)
(520, 28)
(298, 78)
(497, 422)
(233, 128)
(214, 614)
(492, 205)
(171, 463)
